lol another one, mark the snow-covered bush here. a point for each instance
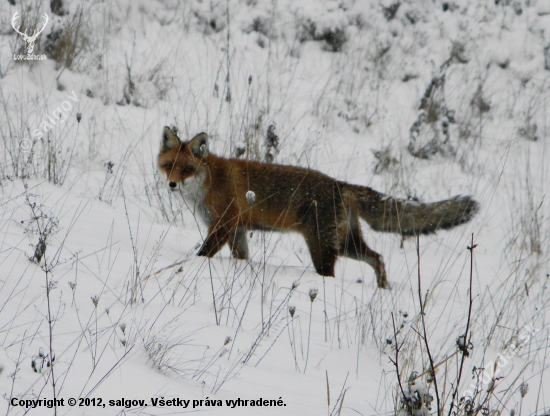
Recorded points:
(326, 26)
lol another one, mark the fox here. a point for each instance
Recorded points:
(232, 196)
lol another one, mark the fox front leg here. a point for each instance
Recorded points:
(239, 243)
(214, 242)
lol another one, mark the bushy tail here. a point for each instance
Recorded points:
(389, 214)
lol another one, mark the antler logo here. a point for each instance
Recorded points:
(30, 40)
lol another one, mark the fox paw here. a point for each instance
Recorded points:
(239, 255)
(203, 252)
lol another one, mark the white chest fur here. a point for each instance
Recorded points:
(193, 192)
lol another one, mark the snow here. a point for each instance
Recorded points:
(250, 197)
(131, 305)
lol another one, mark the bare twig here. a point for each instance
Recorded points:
(466, 340)
(312, 296)
(396, 364)
(43, 234)
(328, 391)
(340, 398)
(425, 335)
(213, 293)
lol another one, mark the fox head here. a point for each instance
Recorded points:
(181, 161)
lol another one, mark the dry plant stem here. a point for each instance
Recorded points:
(425, 335)
(325, 307)
(262, 283)
(293, 344)
(328, 393)
(266, 328)
(340, 398)
(396, 364)
(341, 403)
(213, 294)
(541, 375)
(41, 232)
(443, 361)
(308, 334)
(134, 285)
(244, 311)
(120, 361)
(176, 264)
(228, 94)
(272, 344)
(76, 135)
(14, 374)
(466, 340)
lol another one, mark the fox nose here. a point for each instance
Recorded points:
(172, 185)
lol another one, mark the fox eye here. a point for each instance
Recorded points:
(168, 166)
(188, 169)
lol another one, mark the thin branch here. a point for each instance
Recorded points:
(466, 339)
(396, 364)
(425, 337)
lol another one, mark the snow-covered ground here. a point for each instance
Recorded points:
(130, 313)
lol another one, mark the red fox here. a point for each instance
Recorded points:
(324, 210)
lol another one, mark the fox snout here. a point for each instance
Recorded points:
(172, 185)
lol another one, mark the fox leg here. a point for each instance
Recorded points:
(239, 243)
(214, 242)
(354, 247)
(323, 256)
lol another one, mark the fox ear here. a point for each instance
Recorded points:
(199, 145)
(169, 140)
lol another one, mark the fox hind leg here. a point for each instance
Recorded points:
(354, 247)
